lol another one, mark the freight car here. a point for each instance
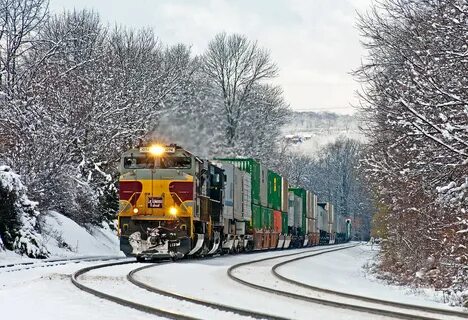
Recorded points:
(173, 204)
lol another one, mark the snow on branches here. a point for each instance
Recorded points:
(18, 218)
(416, 106)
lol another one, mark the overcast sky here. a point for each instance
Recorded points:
(314, 42)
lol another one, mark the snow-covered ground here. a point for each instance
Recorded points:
(64, 238)
(49, 293)
(346, 271)
(208, 280)
(309, 132)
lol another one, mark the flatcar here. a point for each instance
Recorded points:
(173, 204)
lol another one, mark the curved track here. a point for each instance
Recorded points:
(55, 262)
(436, 311)
(160, 311)
(399, 310)
(138, 306)
(218, 306)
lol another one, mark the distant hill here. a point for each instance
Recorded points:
(308, 132)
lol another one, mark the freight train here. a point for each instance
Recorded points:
(173, 204)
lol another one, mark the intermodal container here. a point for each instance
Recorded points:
(290, 209)
(322, 216)
(254, 168)
(267, 218)
(263, 188)
(302, 221)
(274, 190)
(331, 217)
(311, 205)
(311, 225)
(277, 221)
(284, 223)
(228, 208)
(297, 212)
(284, 195)
(257, 217)
(246, 196)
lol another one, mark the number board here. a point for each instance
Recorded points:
(166, 149)
(155, 202)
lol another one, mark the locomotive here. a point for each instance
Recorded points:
(173, 204)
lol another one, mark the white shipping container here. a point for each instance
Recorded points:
(331, 213)
(297, 212)
(339, 223)
(331, 218)
(228, 209)
(263, 185)
(291, 209)
(246, 196)
(240, 227)
(322, 217)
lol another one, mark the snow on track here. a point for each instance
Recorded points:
(250, 273)
(47, 293)
(342, 271)
(112, 280)
(208, 280)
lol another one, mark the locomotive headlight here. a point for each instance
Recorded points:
(173, 211)
(135, 210)
(156, 150)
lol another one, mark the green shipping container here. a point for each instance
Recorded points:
(284, 216)
(267, 218)
(274, 190)
(257, 217)
(303, 195)
(251, 166)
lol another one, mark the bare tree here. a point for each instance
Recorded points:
(236, 65)
(19, 23)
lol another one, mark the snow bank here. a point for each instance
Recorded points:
(350, 271)
(65, 238)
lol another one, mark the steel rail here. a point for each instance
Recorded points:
(214, 305)
(127, 303)
(158, 311)
(56, 262)
(400, 305)
(342, 305)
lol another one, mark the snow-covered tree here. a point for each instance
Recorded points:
(94, 93)
(236, 66)
(415, 102)
(18, 217)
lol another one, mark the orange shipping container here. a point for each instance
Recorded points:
(277, 221)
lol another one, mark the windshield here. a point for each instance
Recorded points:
(149, 162)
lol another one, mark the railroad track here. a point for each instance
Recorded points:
(55, 262)
(240, 312)
(400, 310)
(156, 310)
(214, 305)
